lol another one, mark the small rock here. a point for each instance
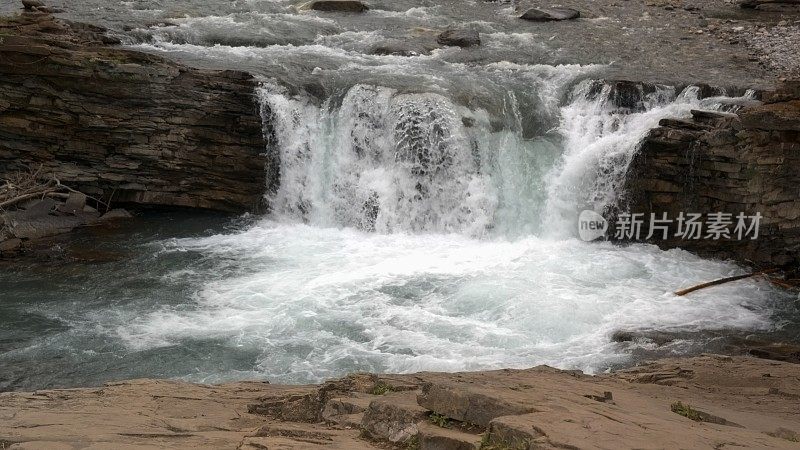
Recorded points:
(550, 14)
(31, 4)
(338, 6)
(459, 38)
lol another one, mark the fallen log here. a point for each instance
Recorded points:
(683, 292)
(751, 4)
(24, 197)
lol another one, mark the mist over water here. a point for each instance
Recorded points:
(425, 219)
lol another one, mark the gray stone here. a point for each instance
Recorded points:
(395, 418)
(515, 432)
(38, 208)
(39, 227)
(75, 203)
(339, 6)
(459, 38)
(432, 437)
(550, 14)
(467, 405)
(31, 4)
(116, 214)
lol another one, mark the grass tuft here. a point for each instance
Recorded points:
(686, 411)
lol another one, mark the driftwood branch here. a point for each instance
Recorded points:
(23, 197)
(683, 292)
(22, 186)
(750, 4)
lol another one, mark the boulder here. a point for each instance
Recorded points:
(550, 14)
(338, 6)
(30, 5)
(459, 38)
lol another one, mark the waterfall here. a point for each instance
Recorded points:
(381, 160)
(603, 126)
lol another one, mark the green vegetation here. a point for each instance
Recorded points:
(686, 411)
(413, 443)
(381, 388)
(439, 420)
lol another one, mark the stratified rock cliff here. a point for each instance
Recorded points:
(748, 162)
(124, 125)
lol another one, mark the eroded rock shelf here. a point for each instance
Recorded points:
(126, 126)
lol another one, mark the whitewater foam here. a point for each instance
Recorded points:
(319, 302)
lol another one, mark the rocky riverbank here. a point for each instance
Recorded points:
(125, 126)
(709, 401)
(82, 116)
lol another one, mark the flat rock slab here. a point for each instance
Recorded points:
(338, 6)
(45, 225)
(759, 395)
(469, 404)
(550, 14)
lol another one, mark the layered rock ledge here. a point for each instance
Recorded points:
(747, 162)
(125, 126)
(709, 401)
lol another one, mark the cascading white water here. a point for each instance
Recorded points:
(411, 233)
(601, 138)
(388, 162)
(381, 161)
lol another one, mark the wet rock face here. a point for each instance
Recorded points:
(726, 163)
(459, 38)
(339, 6)
(123, 125)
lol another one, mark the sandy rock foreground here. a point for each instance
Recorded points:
(725, 402)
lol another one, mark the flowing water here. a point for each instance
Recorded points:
(425, 219)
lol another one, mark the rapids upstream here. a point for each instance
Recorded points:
(425, 218)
